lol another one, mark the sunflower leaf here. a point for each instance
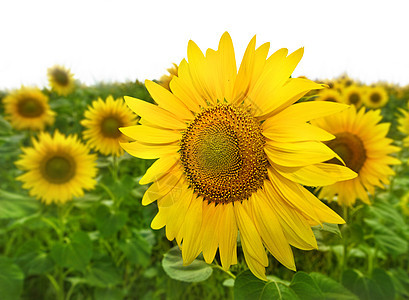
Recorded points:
(197, 271)
(247, 286)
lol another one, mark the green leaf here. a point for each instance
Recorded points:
(400, 279)
(109, 223)
(247, 286)
(32, 260)
(17, 206)
(384, 281)
(332, 228)
(108, 294)
(103, 274)
(365, 288)
(387, 239)
(305, 287)
(331, 289)
(11, 279)
(197, 271)
(137, 249)
(76, 253)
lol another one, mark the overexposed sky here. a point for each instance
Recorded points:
(127, 40)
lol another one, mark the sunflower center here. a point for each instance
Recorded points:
(354, 98)
(109, 127)
(330, 99)
(350, 148)
(60, 76)
(30, 108)
(375, 98)
(58, 169)
(222, 153)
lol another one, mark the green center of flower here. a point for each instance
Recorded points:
(58, 169)
(60, 76)
(354, 98)
(109, 127)
(222, 153)
(30, 108)
(375, 98)
(350, 148)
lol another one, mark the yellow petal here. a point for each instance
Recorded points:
(147, 151)
(249, 235)
(320, 174)
(147, 134)
(168, 101)
(160, 167)
(154, 114)
(270, 230)
(192, 227)
(228, 236)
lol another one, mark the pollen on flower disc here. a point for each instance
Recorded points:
(222, 154)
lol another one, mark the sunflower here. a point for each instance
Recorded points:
(353, 95)
(232, 154)
(61, 80)
(330, 95)
(27, 108)
(57, 168)
(362, 144)
(375, 97)
(102, 120)
(165, 79)
(403, 121)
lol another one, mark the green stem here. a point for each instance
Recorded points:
(345, 241)
(108, 191)
(225, 271)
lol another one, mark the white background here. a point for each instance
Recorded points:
(127, 40)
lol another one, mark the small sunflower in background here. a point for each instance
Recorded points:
(28, 108)
(165, 79)
(404, 204)
(375, 97)
(61, 80)
(361, 142)
(330, 95)
(353, 95)
(57, 168)
(345, 81)
(403, 125)
(102, 120)
(233, 151)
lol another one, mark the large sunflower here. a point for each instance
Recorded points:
(57, 168)
(27, 108)
(102, 120)
(375, 97)
(233, 152)
(61, 80)
(363, 146)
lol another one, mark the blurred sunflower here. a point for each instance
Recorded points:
(403, 121)
(61, 80)
(165, 79)
(362, 144)
(329, 95)
(27, 108)
(233, 152)
(102, 120)
(375, 97)
(353, 95)
(57, 168)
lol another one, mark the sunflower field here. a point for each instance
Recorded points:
(211, 182)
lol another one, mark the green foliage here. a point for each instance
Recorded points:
(100, 246)
(197, 271)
